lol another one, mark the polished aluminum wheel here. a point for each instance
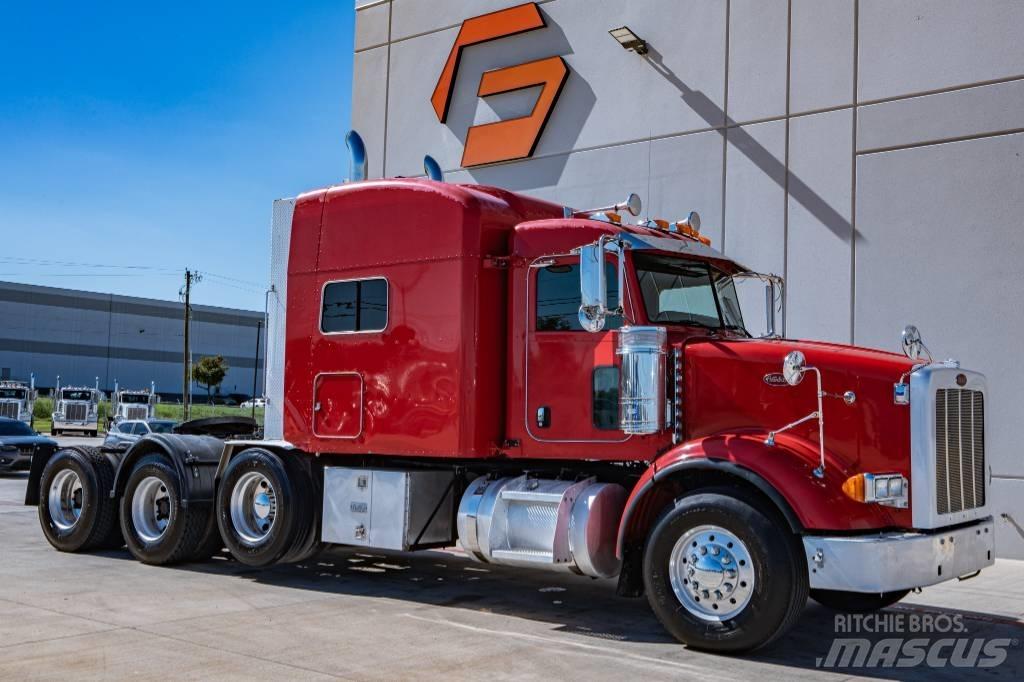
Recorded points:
(64, 501)
(151, 509)
(253, 508)
(711, 573)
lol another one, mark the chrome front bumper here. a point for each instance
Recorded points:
(898, 561)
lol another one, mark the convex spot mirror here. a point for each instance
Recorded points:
(794, 367)
(912, 343)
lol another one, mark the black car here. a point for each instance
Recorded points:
(18, 442)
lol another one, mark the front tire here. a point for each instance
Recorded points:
(75, 509)
(857, 602)
(722, 575)
(157, 528)
(263, 508)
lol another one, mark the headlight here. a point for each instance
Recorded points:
(891, 490)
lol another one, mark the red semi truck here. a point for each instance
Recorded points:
(548, 388)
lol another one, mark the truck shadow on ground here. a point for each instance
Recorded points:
(586, 607)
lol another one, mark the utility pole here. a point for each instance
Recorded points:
(186, 380)
(256, 367)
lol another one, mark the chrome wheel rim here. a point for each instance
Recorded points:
(253, 508)
(711, 573)
(151, 509)
(64, 500)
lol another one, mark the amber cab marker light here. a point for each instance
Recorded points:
(629, 40)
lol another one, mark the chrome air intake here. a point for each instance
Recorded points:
(642, 353)
(559, 525)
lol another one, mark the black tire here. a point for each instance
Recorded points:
(780, 586)
(857, 602)
(292, 520)
(53, 431)
(96, 526)
(186, 529)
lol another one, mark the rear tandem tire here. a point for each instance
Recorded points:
(857, 602)
(264, 509)
(157, 528)
(75, 509)
(747, 586)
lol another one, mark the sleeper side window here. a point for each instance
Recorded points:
(558, 298)
(355, 306)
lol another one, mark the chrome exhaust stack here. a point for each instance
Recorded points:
(357, 164)
(432, 169)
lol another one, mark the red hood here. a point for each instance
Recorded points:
(728, 393)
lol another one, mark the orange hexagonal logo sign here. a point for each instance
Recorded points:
(513, 138)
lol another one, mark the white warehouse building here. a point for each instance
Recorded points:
(871, 152)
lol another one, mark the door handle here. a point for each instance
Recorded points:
(316, 407)
(543, 417)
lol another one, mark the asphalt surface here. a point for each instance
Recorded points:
(353, 614)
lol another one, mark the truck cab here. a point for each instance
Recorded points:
(570, 390)
(133, 404)
(17, 401)
(76, 408)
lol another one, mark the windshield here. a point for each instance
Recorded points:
(12, 394)
(161, 427)
(13, 428)
(134, 399)
(76, 395)
(678, 291)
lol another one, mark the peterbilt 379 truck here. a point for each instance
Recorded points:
(566, 391)
(17, 400)
(128, 403)
(76, 408)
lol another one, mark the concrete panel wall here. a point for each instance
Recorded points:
(836, 142)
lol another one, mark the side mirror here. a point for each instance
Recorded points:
(593, 287)
(794, 367)
(911, 342)
(633, 205)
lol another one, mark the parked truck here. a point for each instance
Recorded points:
(17, 401)
(132, 404)
(76, 408)
(560, 390)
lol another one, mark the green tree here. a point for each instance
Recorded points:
(209, 372)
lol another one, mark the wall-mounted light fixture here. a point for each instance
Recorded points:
(629, 40)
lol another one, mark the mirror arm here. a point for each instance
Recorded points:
(819, 414)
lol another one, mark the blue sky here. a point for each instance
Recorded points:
(157, 135)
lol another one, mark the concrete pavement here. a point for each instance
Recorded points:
(353, 614)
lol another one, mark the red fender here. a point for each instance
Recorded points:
(782, 472)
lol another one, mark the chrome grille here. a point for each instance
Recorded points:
(959, 450)
(76, 412)
(137, 412)
(9, 409)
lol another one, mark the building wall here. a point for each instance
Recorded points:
(81, 336)
(870, 151)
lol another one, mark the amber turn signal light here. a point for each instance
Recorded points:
(890, 490)
(853, 487)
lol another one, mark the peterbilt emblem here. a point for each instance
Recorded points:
(775, 379)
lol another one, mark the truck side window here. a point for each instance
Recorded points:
(606, 397)
(355, 306)
(558, 298)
